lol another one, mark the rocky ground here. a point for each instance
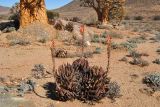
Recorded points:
(17, 59)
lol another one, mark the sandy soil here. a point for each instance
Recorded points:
(17, 61)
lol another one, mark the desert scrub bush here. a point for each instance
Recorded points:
(95, 38)
(84, 82)
(128, 46)
(114, 34)
(115, 45)
(75, 19)
(136, 54)
(104, 34)
(152, 81)
(92, 21)
(126, 18)
(137, 40)
(38, 71)
(58, 25)
(42, 40)
(69, 27)
(52, 15)
(136, 58)
(114, 91)
(140, 62)
(157, 61)
(156, 18)
(98, 50)
(19, 41)
(138, 18)
(158, 51)
(123, 45)
(157, 37)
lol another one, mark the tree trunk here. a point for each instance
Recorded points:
(31, 11)
(105, 18)
(102, 16)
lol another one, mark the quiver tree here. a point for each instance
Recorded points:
(104, 8)
(32, 10)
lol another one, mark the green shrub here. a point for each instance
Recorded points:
(52, 15)
(15, 17)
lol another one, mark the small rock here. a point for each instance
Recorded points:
(9, 29)
(124, 59)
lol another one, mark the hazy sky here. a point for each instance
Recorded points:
(51, 4)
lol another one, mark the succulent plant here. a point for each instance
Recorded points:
(94, 85)
(153, 81)
(58, 25)
(61, 53)
(67, 81)
(69, 27)
(83, 82)
(82, 64)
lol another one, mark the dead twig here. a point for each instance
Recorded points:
(108, 51)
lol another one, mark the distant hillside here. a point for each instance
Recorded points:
(74, 9)
(4, 10)
(144, 8)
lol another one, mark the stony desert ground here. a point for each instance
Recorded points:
(138, 34)
(17, 61)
